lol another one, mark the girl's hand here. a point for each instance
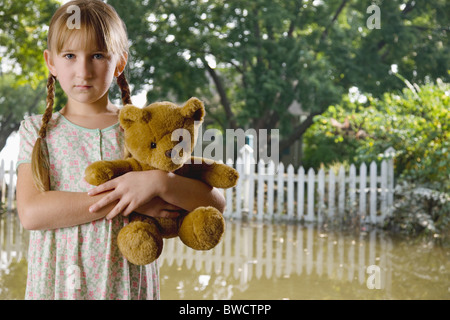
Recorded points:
(132, 190)
(159, 208)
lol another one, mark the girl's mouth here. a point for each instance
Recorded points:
(83, 87)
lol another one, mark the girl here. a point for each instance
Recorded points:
(73, 252)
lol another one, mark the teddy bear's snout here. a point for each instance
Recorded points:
(169, 153)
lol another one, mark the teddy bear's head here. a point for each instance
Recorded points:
(162, 135)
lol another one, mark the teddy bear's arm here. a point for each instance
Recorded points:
(101, 171)
(215, 174)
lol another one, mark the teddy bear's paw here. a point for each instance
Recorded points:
(202, 229)
(231, 177)
(224, 176)
(140, 242)
(98, 172)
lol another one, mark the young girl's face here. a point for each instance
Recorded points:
(84, 72)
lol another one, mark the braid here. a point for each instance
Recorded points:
(49, 109)
(39, 161)
(126, 99)
(124, 88)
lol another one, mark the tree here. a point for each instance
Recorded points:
(15, 102)
(23, 37)
(252, 59)
(22, 69)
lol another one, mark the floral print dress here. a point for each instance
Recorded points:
(81, 262)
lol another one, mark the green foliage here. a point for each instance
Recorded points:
(23, 38)
(15, 101)
(414, 122)
(250, 60)
(421, 211)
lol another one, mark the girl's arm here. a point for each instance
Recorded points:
(52, 209)
(134, 189)
(59, 209)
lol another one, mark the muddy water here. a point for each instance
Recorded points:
(275, 261)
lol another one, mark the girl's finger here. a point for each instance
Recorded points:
(103, 202)
(109, 185)
(120, 207)
(128, 211)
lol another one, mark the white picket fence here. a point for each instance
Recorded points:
(269, 192)
(266, 191)
(8, 185)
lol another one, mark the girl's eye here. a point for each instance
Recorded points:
(153, 145)
(98, 56)
(69, 56)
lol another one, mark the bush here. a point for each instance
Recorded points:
(420, 210)
(415, 123)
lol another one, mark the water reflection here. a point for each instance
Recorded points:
(282, 261)
(274, 261)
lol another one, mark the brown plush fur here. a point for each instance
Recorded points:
(148, 138)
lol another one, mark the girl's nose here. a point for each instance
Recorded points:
(84, 69)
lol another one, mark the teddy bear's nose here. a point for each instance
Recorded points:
(169, 153)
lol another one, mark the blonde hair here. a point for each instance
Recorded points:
(99, 22)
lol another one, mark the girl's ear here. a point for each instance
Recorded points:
(121, 63)
(49, 61)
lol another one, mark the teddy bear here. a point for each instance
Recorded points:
(162, 136)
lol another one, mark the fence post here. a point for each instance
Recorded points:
(300, 192)
(352, 187)
(280, 189)
(362, 190)
(239, 198)
(383, 195)
(2, 181)
(331, 192)
(341, 196)
(373, 192)
(260, 189)
(321, 193)
(11, 186)
(229, 196)
(247, 157)
(390, 155)
(290, 192)
(270, 188)
(311, 184)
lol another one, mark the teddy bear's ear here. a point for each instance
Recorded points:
(193, 108)
(131, 114)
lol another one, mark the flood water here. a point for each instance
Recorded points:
(275, 261)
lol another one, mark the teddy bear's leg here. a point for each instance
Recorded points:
(202, 228)
(140, 242)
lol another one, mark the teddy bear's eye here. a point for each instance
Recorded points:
(153, 145)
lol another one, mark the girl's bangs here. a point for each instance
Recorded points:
(87, 35)
(92, 30)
